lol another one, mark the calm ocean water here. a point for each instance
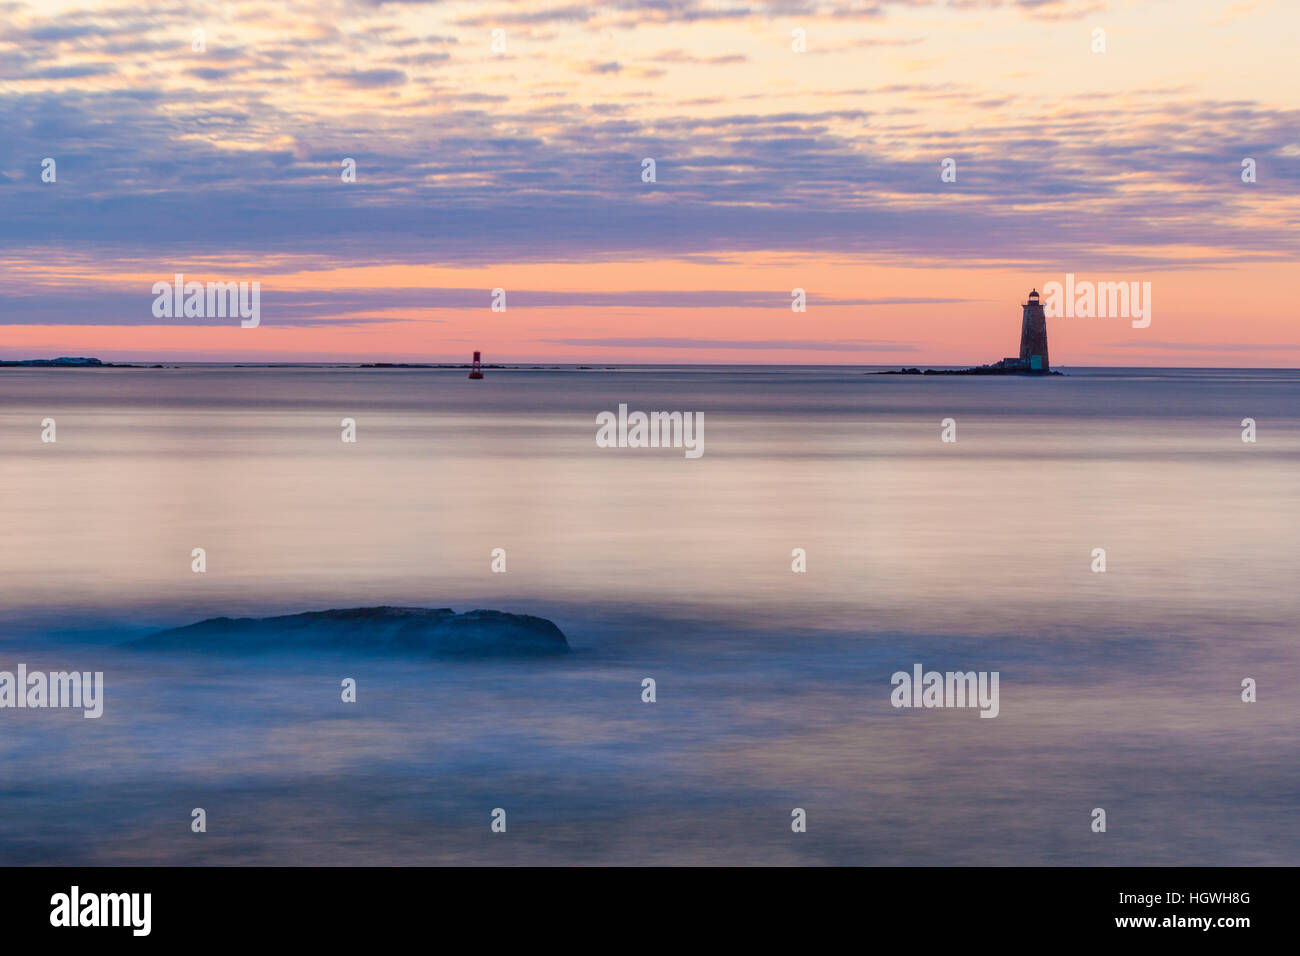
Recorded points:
(1118, 690)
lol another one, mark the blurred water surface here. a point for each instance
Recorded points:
(1118, 690)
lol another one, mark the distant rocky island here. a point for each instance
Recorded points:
(66, 361)
(437, 632)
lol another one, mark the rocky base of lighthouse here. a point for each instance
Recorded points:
(998, 369)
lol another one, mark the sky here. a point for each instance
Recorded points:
(515, 160)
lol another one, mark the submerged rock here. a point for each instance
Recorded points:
(382, 630)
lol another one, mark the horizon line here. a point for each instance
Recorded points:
(528, 365)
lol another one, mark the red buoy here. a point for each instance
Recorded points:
(476, 370)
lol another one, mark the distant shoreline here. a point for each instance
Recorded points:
(96, 363)
(68, 362)
(866, 368)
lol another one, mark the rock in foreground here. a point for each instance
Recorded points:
(381, 630)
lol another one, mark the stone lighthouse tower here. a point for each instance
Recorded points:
(1033, 335)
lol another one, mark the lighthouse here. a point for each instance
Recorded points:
(476, 369)
(1033, 335)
